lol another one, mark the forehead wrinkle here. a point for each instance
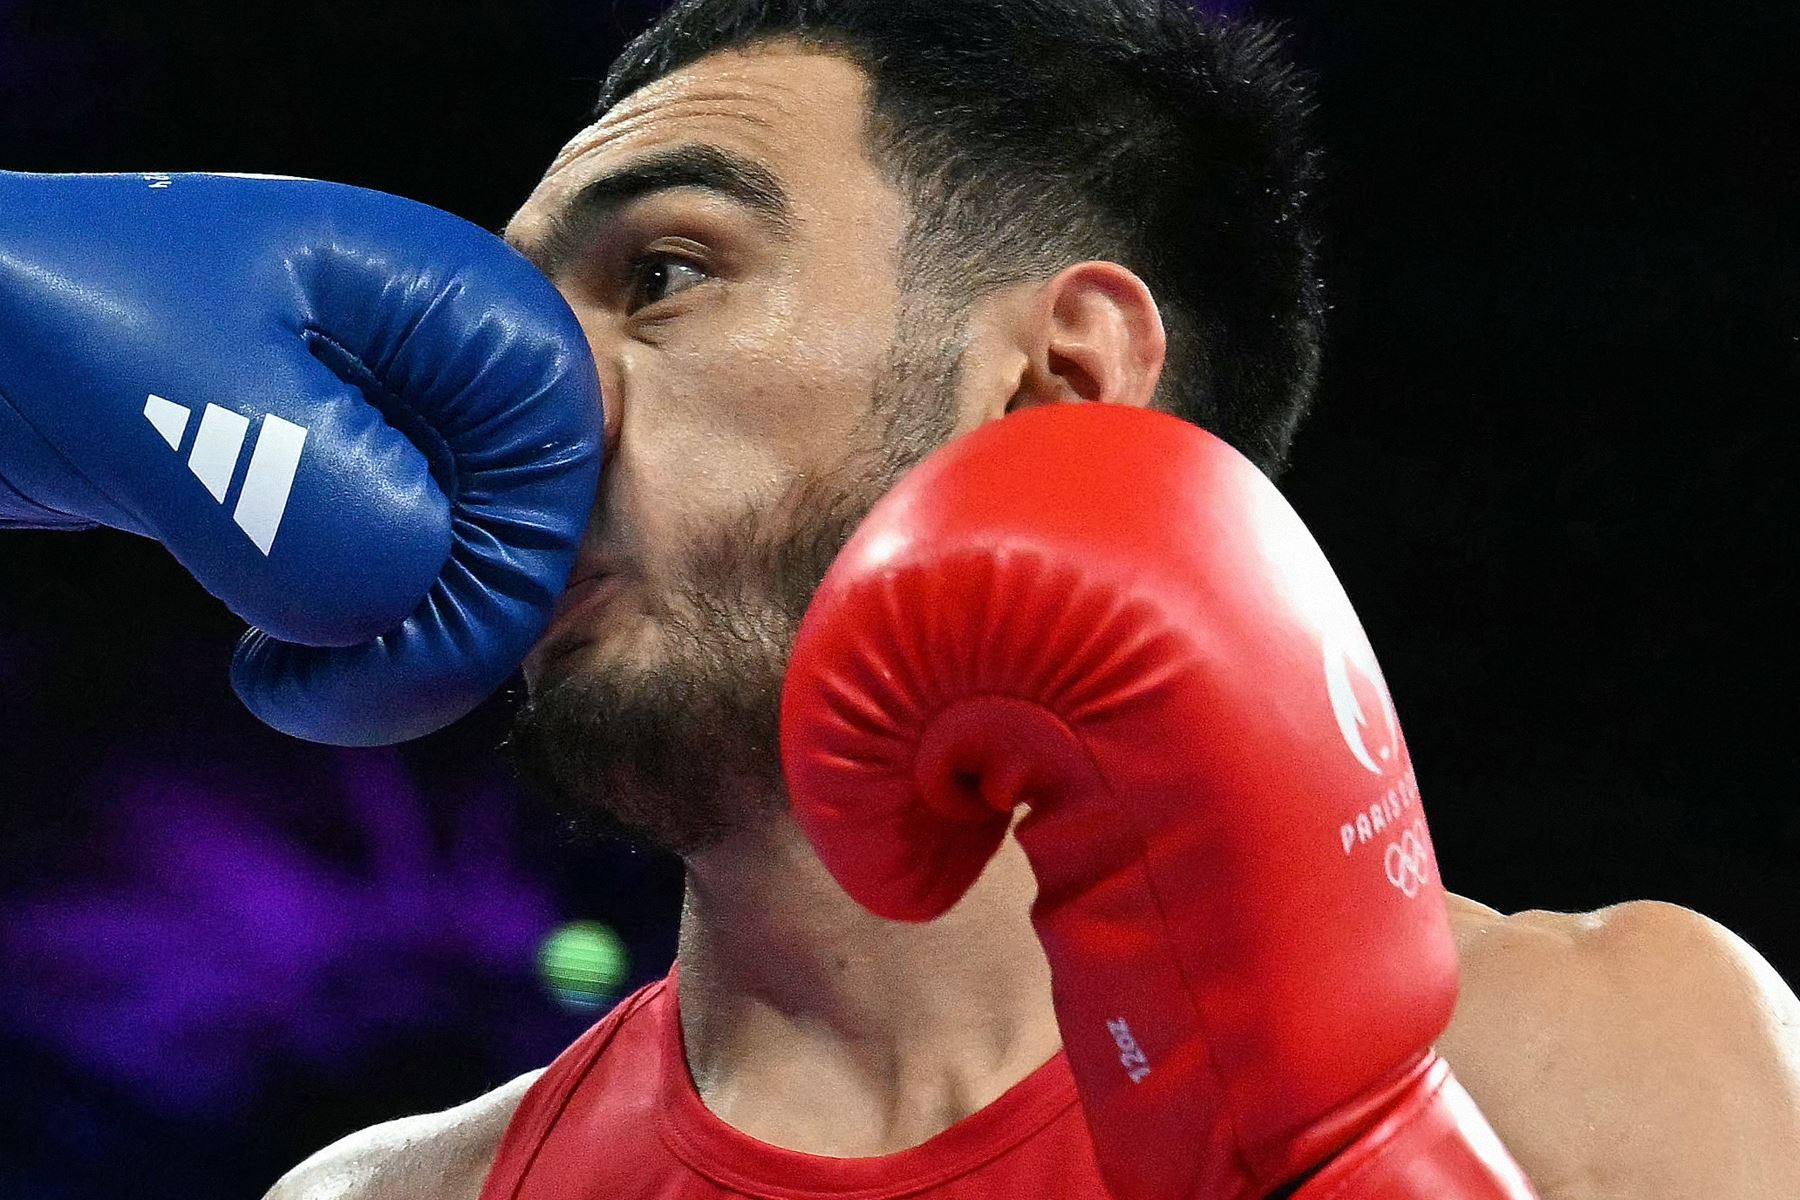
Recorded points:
(745, 103)
(724, 105)
(776, 93)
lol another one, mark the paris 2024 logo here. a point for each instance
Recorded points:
(1365, 718)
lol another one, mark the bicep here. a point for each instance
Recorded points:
(1691, 1042)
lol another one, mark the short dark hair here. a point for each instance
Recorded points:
(1032, 134)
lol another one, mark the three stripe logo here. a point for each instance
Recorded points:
(219, 443)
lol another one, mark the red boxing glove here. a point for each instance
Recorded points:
(1110, 616)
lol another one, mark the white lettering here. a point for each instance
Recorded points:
(1131, 1055)
(1379, 816)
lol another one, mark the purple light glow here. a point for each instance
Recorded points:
(221, 947)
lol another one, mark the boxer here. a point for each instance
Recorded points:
(810, 243)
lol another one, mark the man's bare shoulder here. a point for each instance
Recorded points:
(1641, 1050)
(435, 1156)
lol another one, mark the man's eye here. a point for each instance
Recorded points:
(656, 277)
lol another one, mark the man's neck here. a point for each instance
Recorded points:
(815, 1026)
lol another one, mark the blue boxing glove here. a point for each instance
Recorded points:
(370, 428)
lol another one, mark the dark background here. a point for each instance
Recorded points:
(1552, 463)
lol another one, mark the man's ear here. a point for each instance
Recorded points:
(1093, 333)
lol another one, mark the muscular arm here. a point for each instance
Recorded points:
(436, 1156)
(1642, 1051)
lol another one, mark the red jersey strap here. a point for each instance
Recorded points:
(547, 1098)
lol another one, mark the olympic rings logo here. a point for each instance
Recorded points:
(1408, 860)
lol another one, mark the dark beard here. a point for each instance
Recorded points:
(684, 753)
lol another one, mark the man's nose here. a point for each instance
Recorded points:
(612, 370)
(612, 401)
(603, 343)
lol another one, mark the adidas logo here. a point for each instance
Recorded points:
(262, 501)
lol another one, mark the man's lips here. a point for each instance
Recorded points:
(567, 631)
(580, 593)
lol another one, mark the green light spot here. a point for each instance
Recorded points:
(584, 964)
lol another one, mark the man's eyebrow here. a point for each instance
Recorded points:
(711, 168)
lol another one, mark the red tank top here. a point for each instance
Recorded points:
(616, 1117)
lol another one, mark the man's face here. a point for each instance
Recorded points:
(734, 259)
